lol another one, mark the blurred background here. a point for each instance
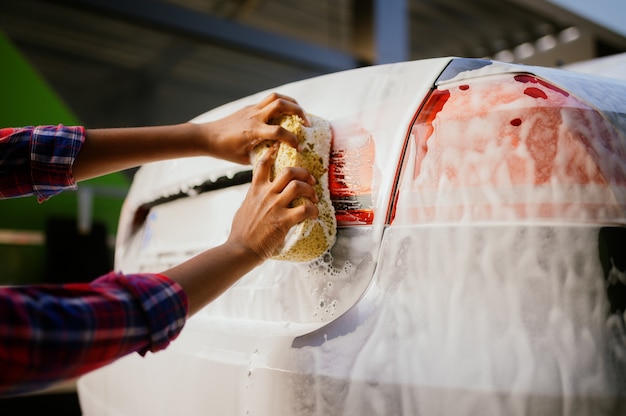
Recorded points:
(113, 63)
(137, 62)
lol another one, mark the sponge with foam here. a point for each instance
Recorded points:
(310, 238)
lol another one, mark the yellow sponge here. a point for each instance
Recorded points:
(310, 238)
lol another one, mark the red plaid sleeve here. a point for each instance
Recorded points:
(38, 160)
(50, 333)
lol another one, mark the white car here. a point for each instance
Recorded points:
(479, 266)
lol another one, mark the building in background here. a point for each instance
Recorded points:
(141, 62)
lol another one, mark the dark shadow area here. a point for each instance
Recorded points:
(63, 404)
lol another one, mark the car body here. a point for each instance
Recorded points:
(478, 268)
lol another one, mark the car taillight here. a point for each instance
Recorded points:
(350, 176)
(423, 127)
(509, 147)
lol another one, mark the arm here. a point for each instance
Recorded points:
(231, 138)
(262, 222)
(259, 229)
(49, 333)
(53, 332)
(46, 160)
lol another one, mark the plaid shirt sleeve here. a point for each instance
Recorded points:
(38, 160)
(50, 333)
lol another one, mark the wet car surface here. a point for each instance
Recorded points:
(479, 263)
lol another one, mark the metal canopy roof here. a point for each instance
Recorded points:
(134, 62)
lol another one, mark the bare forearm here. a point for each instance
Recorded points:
(261, 223)
(230, 138)
(209, 274)
(259, 228)
(112, 150)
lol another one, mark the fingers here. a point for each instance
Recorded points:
(274, 132)
(273, 97)
(300, 213)
(296, 189)
(270, 108)
(263, 167)
(276, 104)
(235, 136)
(267, 213)
(290, 184)
(295, 182)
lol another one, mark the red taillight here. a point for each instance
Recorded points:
(350, 176)
(509, 147)
(423, 126)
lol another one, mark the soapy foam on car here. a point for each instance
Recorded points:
(509, 308)
(322, 270)
(491, 304)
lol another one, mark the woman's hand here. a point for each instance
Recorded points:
(230, 138)
(266, 215)
(259, 229)
(233, 137)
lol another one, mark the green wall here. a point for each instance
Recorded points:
(28, 100)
